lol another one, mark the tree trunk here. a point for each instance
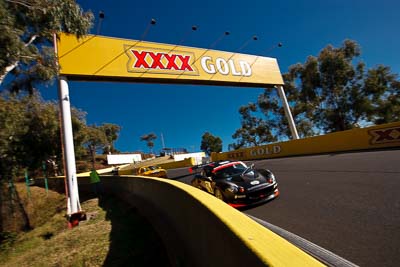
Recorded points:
(12, 66)
(7, 70)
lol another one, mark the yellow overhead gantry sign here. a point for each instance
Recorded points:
(103, 58)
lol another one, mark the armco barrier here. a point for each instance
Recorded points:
(376, 137)
(198, 229)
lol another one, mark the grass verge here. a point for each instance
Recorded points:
(113, 235)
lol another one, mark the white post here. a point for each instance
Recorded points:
(68, 141)
(288, 113)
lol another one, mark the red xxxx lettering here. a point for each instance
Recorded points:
(381, 136)
(384, 135)
(156, 61)
(141, 59)
(171, 62)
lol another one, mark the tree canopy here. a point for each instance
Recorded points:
(149, 139)
(327, 93)
(26, 40)
(30, 128)
(111, 132)
(254, 131)
(30, 133)
(210, 143)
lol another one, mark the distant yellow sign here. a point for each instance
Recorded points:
(373, 137)
(104, 58)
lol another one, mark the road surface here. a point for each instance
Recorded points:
(347, 203)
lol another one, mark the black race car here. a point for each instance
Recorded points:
(236, 183)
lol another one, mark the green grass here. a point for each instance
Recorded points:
(113, 235)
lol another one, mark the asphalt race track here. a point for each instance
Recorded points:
(347, 203)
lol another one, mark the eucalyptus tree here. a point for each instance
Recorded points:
(95, 139)
(149, 139)
(254, 131)
(30, 132)
(326, 92)
(27, 29)
(383, 92)
(331, 92)
(210, 143)
(111, 132)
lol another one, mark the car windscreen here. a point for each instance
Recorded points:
(230, 171)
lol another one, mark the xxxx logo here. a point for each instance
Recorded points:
(383, 136)
(142, 59)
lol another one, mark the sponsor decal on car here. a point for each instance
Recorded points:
(385, 135)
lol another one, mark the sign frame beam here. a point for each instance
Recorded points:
(288, 113)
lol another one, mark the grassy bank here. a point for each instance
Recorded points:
(113, 235)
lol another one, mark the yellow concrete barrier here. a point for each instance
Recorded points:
(128, 169)
(375, 137)
(200, 230)
(100, 171)
(125, 171)
(178, 164)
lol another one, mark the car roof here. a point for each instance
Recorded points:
(215, 164)
(219, 165)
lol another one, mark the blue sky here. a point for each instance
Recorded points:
(183, 113)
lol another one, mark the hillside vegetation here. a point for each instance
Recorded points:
(34, 232)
